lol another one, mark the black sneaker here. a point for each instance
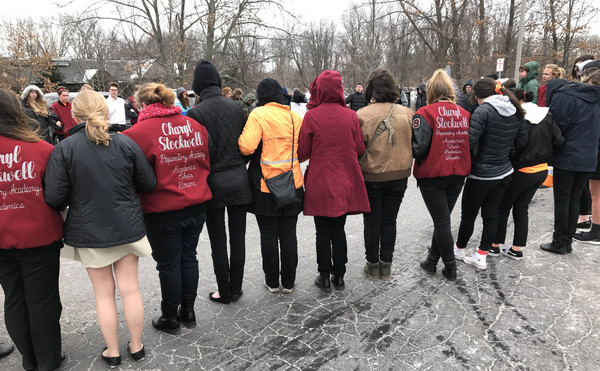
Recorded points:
(494, 251)
(587, 225)
(517, 255)
(587, 237)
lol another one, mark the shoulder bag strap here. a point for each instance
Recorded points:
(293, 137)
(385, 124)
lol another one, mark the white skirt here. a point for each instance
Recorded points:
(104, 256)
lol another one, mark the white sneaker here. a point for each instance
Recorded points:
(272, 290)
(476, 260)
(459, 254)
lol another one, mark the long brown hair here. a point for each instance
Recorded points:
(38, 105)
(593, 78)
(90, 106)
(14, 123)
(486, 87)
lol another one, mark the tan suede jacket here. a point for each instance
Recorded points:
(386, 161)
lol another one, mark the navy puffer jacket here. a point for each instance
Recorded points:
(576, 110)
(494, 133)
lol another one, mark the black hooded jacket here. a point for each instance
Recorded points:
(421, 97)
(224, 120)
(464, 98)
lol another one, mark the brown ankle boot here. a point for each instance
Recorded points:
(385, 269)
(372, 270)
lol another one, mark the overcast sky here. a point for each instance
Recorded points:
(308, 9)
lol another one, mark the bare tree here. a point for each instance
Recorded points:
(30, 49)
(314, 50)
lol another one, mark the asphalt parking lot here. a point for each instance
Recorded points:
(541, 313)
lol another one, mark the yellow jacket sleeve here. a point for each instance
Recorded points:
(251, 135)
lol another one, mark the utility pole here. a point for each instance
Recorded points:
(520, 41)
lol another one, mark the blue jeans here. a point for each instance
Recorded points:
(440, 195)
(380, 224)
(174, 250)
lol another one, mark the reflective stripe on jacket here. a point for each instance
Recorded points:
(272, 123)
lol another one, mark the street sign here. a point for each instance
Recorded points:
(500, 65)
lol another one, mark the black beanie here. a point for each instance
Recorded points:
(269, 90)
(205, 75)
(523, 95)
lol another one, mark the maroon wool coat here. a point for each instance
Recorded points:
(332, 138)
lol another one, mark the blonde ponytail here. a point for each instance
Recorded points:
(90, 106)
(557, 72)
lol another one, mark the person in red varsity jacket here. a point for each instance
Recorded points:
(440, 145)
(30, 241)
(60, 117)
(174, 213)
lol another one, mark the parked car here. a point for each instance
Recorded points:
(51, 98)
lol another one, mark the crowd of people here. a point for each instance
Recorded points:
(117, 196)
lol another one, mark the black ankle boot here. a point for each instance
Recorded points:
(168, 325)
(555, 247)
(187, 317)
(449, 270)
(430, 263)
(322, 281)
(338, 282)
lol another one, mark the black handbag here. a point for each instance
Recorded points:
(282, 186)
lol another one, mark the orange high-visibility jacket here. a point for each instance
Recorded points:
(272, 123)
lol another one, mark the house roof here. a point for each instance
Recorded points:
(80, 71)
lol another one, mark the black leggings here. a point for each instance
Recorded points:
(380, 223)
(332, 249)
(32, 308)
(229, 270)
(517, 197)
(568, 186)
(278, 233)
(485, 195)
(440, 195)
